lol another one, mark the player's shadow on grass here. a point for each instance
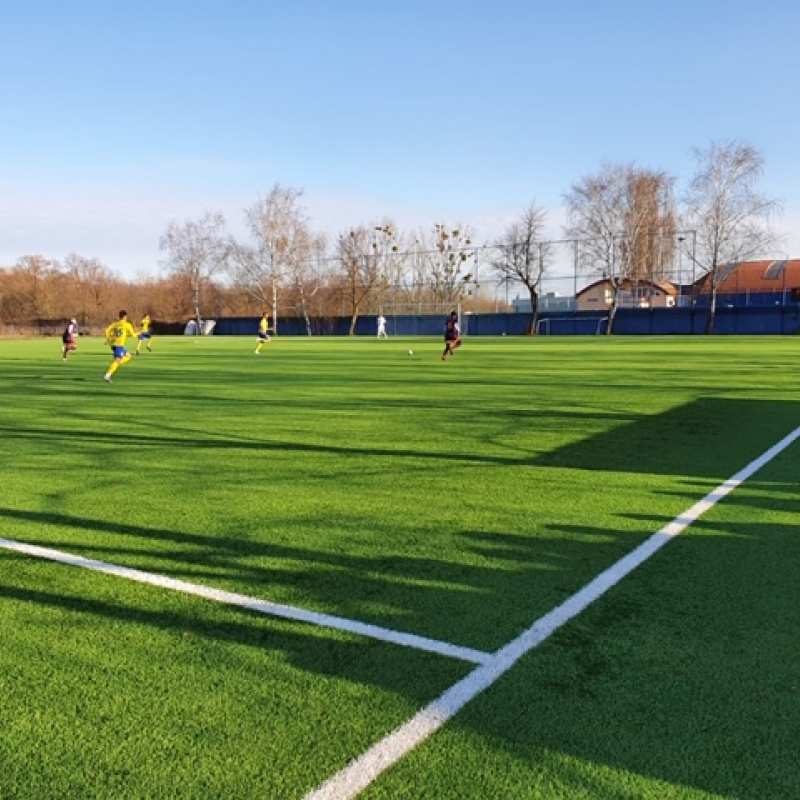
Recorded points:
(707, 438)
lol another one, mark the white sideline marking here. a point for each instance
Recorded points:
(253, 603)
(363, 770)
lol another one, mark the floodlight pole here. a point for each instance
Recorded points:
(476, 285)
(575, 274)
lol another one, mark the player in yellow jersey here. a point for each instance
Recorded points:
(116, 334)
(263, 332)
(145, 335)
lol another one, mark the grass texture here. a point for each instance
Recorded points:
(457, 501)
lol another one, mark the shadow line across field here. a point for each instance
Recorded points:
(686, 673)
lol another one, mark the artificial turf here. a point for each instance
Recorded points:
(457, 501)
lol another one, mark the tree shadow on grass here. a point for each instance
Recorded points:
(707, 438)
(685, 673)
(659, 668)
(204, 441)
(486, 596)
(767, 495)
(481, 600)
(349, 657)
(172, 437)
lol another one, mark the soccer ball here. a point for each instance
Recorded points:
(411, 352)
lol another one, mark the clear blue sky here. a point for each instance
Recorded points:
(118, 117)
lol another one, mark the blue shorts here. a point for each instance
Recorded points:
(263, 337)
(145, 335)
(119, 352)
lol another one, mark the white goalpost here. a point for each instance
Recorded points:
(543, 326)
(438, 310)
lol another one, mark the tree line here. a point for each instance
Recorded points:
(624, 223)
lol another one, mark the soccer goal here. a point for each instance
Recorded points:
(422, 318)
(586, 326)
(205, 329)
(439, 309)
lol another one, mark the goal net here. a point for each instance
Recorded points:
(574, 325)
(422, 318)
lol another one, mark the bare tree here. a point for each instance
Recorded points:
(446, 256)
(37, 294)
(390, 247)
(368, 256)
(197, 250)
(623, 221)
(730, 217)
(359, 269)
(523, 255)
(92, 281)
(305, 271)
(282, 251)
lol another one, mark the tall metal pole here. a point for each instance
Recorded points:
(575, 274)
(274, 306)
(477, 285)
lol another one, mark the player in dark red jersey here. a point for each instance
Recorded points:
(452, 335)
(69, 338)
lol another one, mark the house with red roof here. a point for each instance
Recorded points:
(753, 283)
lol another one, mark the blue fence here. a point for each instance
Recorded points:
(405, 325)
(773, 320)
(760, 299)
(751, 320)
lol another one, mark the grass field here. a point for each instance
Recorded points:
(454, 502)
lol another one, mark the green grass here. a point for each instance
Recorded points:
(458, 501)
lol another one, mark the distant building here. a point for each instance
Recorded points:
(599, 296)
(747, 283)
(754, 283)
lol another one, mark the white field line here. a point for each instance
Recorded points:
(359, 773)
(253, 603)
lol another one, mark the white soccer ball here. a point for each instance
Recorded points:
(411, 352)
